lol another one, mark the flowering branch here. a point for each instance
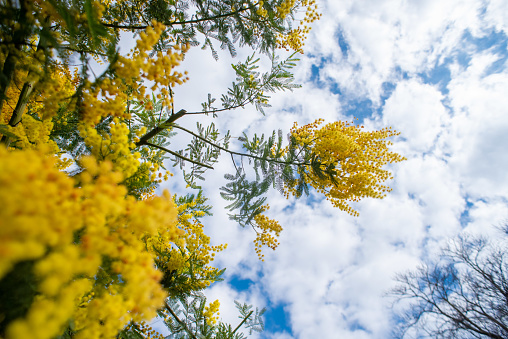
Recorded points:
(238, 153)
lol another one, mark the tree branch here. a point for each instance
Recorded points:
(238, 153)
(118, 26)
(144, 139)
(178, 155)
(178, 320)
(243, 321)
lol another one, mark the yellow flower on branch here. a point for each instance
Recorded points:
(82, 234)
(350, 161)
(212, 313)
(268, 230)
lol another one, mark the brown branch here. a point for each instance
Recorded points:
(156, 130)
(26, 91)
(243, 321)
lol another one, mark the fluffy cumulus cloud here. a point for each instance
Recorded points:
(478, 129)
(416, 110)
(437, 72)
(376, 41)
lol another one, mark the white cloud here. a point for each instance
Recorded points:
(497, 14)
(278, 335)
(415, 109)
(477, 136)
(487, 216)
(386, 37)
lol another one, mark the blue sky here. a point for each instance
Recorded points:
(434, 70)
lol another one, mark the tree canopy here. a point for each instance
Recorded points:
(89, 250)
(463, 295)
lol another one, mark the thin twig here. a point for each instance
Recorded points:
(238, 153)
(243, 321)
(178, 155)
(179, 321)
(212, 18)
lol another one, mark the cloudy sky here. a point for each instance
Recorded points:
(435, 70)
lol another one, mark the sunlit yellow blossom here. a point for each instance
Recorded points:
(294, 38)
(69, 230)
(192, 253)
(268, 230)
(212, 313)
(354, 158)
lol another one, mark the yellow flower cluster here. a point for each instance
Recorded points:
(33, 134)
(160, 70)
(355, 157)
(269, 231)
(285, 8)
(311, 13)
(84, 236)
(276, 152)
(55, 91)
(148, 173)
(50, 217)
(114, 147)
(145, 330)
(191, 253)
(108, 97)
(47, 314)
(212, 313)
(102, 100)
(294, 39)
(261, 11)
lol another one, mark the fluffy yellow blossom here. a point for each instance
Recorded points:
(190, 255)
(352, 157)
(39, 207)
(82, 234)
(285, 8)
(114, 147)
(261, 10)
(268, 230)
(294, 38)
(212, 313)
(32, 133)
